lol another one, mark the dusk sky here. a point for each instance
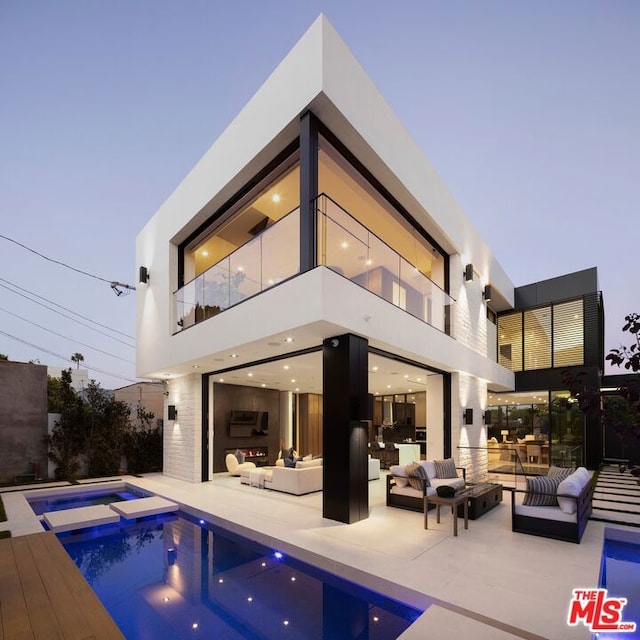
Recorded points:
(529, 111)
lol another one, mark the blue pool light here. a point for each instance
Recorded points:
(278, 555)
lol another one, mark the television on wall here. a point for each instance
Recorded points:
(246, 424)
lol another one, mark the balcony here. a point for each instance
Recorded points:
(350, 249)
(260, 264)
(344, 245)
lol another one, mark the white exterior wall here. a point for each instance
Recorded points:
(319, 74)
(182, 438)
(468, 392)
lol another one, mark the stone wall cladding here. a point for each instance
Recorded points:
(182, 457)
(469, 441)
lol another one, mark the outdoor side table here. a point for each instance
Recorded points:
(453, 503)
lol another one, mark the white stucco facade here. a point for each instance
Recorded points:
(319, 75)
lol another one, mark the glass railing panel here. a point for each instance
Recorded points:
(280, 250)
(217, 282)
(345, 253)
(186, 305)
(263, 262)
(245, 267)
(349, 248)
(383, 280)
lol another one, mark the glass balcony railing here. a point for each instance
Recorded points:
(344, 246)
(350, 249)
(261, 263)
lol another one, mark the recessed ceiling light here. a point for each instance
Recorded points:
(263, 385)
(196, 366)
(344, 244)
(409, 390)
(220, 379)
(388, 386)
(165, 599)
(250, 374)
(234, 355)
(275, 197)
(376, 393)
(406, 375)
(369, 262)
(240, 268)
(374, 368)
(293, 379)
(297, 388)
(205, 253)
(286, 366)
(289, 339)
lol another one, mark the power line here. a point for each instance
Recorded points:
(22, 295)
(35, 324)
(57, 355)
(63, 264)
(126, 335)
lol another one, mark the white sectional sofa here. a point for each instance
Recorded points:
(558, 510)
(306, 477)
(401, 494)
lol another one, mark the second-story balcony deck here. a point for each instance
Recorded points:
(344, 245)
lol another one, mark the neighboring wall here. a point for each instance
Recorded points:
(23, 418)
(148, 394)
(229, 397)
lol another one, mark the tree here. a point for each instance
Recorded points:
(3, 356)
(628, 356)
(621, 415)
(93, 425)
(66, 441)
(77, 358)
(144, 444)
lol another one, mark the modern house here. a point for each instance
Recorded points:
(312, 282)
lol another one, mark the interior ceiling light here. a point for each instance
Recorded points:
(275, 197)
(289, 339)
(344, 244)
(205, 253)
(233, 355)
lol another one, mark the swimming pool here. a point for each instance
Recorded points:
(620, 575)
(172, 577)
(83, 498)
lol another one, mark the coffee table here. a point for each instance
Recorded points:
(456, 501)
(481, 497)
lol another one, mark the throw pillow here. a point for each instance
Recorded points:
(290, 463)
(239, 455)
(569, 486)
(417, 476)
(445, 468)
(563, 472)
(541, 491)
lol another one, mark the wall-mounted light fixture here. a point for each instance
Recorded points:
(172, 412)
(144, 275)
(487, 293)
(468, 416)
(468, 272)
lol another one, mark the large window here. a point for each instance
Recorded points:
(270, 201)
(542, 338)
(343, 184)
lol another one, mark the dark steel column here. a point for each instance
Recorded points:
(345, 413)
(308, 190)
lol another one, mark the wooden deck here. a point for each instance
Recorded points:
(43, 595)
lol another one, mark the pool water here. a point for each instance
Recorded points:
(171, 577)
(620, 575)
(86, 499)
